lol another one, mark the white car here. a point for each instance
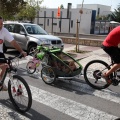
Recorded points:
(30, 35)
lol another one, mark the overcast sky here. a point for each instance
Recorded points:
(57, 3)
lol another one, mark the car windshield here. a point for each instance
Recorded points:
(35, 29)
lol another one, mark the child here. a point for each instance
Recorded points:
(64, 68)
(71, 65)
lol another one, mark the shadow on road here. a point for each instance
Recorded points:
(31, 114)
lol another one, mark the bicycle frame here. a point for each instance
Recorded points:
(113, 76)
(114, 73)
(8, 70)
(3, 78)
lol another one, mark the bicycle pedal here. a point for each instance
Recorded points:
(1, 83)
(115, 82)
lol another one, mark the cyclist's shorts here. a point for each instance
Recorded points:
(2, 58)
(113, 52)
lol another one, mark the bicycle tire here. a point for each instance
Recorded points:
(48, 75)
(28, 69)
(96, 69)
(15, 103)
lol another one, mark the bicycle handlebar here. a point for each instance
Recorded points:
(9, 59)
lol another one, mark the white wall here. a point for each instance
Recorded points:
(85, 23)
(104, 10)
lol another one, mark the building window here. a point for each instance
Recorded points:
(47, 22)
(59, 24)
(54, 23)
(71, 23)
(98, 11)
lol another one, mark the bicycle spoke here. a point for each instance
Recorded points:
(93, 74)
(19, 98)
(19, 94)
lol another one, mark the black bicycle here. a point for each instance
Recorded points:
(18, 89)
(93, 74)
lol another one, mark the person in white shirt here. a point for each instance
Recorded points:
(5, 35)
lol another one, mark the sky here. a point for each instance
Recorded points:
(57, 3)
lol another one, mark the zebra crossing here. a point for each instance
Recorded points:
(74, 109)
(67, 106)
(104, 106)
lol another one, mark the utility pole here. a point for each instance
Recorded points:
(81, 12)
(78, 28)
(77, 36)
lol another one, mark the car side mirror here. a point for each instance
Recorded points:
(22, 33)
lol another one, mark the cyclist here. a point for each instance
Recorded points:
(5, 35)
(110, 46)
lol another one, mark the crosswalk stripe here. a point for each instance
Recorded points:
(105, 93)
(69, 107)
(9, 114)
(72, 108)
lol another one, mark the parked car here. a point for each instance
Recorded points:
(30, 35)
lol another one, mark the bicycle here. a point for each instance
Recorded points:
(50, 71)
(17, 87)
(93, 74)
(38, 56)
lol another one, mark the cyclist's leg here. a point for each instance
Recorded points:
(3, 66)
(114, 53)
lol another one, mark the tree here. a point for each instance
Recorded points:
(61, 6)
(8, 8)
(30, 11)
(116, 14)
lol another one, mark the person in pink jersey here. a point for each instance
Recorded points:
(110, 46)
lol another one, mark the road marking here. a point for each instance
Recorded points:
(72, 108)
(23, 61)
(69, 107)
(9, 114)
(105, 93)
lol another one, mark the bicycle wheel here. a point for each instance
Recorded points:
(30, 67)
(92, 74)
(20, 94)
(48, 75)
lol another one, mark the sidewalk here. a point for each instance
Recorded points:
(84, 58)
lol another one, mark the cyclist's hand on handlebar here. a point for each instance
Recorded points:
(24, 53)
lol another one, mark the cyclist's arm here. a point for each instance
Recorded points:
(9, 38)
(17, 47)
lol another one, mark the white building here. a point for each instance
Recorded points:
(100, 9)
(67, 22)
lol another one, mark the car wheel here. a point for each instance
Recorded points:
(4, 48)
(31, 49)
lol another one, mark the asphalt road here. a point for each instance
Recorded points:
(65, 100)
